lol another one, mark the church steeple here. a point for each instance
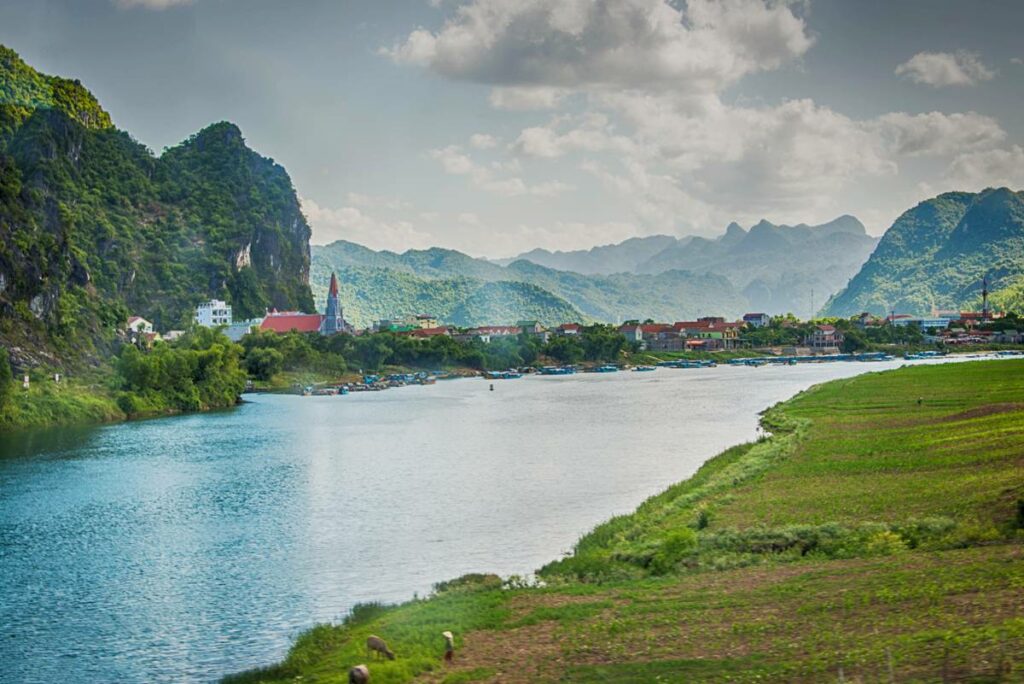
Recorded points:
(334, 321)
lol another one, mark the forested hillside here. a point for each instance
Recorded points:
(94, 227)
(936, 255)
(465, 291)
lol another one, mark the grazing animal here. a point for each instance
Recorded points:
(378, 647)
(449, 646)
(360, 674)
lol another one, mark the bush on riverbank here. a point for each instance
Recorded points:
(201, 371)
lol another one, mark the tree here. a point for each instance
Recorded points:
(565, 350)
(263, 364)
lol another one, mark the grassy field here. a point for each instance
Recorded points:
(76, 401)
(875, 537)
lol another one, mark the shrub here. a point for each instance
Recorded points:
(884, 543)
(6, 377)
(676, 545)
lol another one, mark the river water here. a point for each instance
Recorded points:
(184, 548)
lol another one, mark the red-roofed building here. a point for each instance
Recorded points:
(632, 332)
(286, 321)
(567, 329)
(426, 332)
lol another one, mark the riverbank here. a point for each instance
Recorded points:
(877, 531)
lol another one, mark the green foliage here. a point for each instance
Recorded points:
(6, 377)
(201, 371)
(93, 227)
(936, 255)
(263, 364)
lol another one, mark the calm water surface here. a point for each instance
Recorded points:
(184, 548)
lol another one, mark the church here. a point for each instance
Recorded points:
(331, 322)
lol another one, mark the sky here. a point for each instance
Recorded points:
(497, 126)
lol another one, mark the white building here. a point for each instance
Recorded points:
(213, 313)
(138, 324)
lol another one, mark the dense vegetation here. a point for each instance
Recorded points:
(936, 255)
(877, 536)
(93, 227)
(267, 353)
(202, 370)
(465, 291)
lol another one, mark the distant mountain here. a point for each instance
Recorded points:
(623, 257)
(777, 268)
(93, 226)
(444, 282)
(936, 254)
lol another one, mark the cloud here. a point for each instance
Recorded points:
(483, 141)
(356, 225)
(988, 168)
(593, 133)
(938, 69)
(151, 4)
(607, 43)
(936, 133)
(455, 162)
(1016, 60)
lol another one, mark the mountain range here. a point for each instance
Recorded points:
(769, 268)
(936, 255)
(93, 226)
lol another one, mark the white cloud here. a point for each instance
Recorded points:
(608, 43)
(353, 224)
(940, 69)
(483, 141)
(1016, 60)
(594, 133)
(455, 162)
(989, 168)
(936, 133)
(151, 4)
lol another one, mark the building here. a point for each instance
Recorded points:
(138, 324)
(632, 332)
(286, 321)
(568, 330)
(714, 330)
(334, 320)
(426, 321)
(236, 331)
(213, 313)
(757, 320)
(427, 332)
(661, 337)
(534, 329)
(924, 322)
(825, 338)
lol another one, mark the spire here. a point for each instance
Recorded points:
(333, 320)
(333, 289)
(984, 297)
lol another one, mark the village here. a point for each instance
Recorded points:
(757, 332)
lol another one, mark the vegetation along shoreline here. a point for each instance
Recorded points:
(876, 533)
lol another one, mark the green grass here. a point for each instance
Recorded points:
(873, 535)
(72, 402)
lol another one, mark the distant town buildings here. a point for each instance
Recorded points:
(757, 320)
(213, 313)
(825, 338)
(331, 322)
(138, 324)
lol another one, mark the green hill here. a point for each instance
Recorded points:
(936, 255)
(439, 281)
(93, 226)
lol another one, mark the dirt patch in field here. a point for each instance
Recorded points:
(982, 411)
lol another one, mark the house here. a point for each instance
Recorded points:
(534, 329)
(633, 332)
(825, 338)
(923, 323)
(427, 332)
(286, 321)
(1008, 337)
(867, 319)
(757, 320)
(717, 333)
(426, 321)
(661, 337)
(138, 324)
(213, 313)
(236, 331)
(568, 330)
(487, 333)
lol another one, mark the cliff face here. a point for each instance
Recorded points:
(94, 227)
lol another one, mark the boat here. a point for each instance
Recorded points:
(607, 368)
(503, 375)
(644, 369)
(557, 370)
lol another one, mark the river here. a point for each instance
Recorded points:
(184, 548)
